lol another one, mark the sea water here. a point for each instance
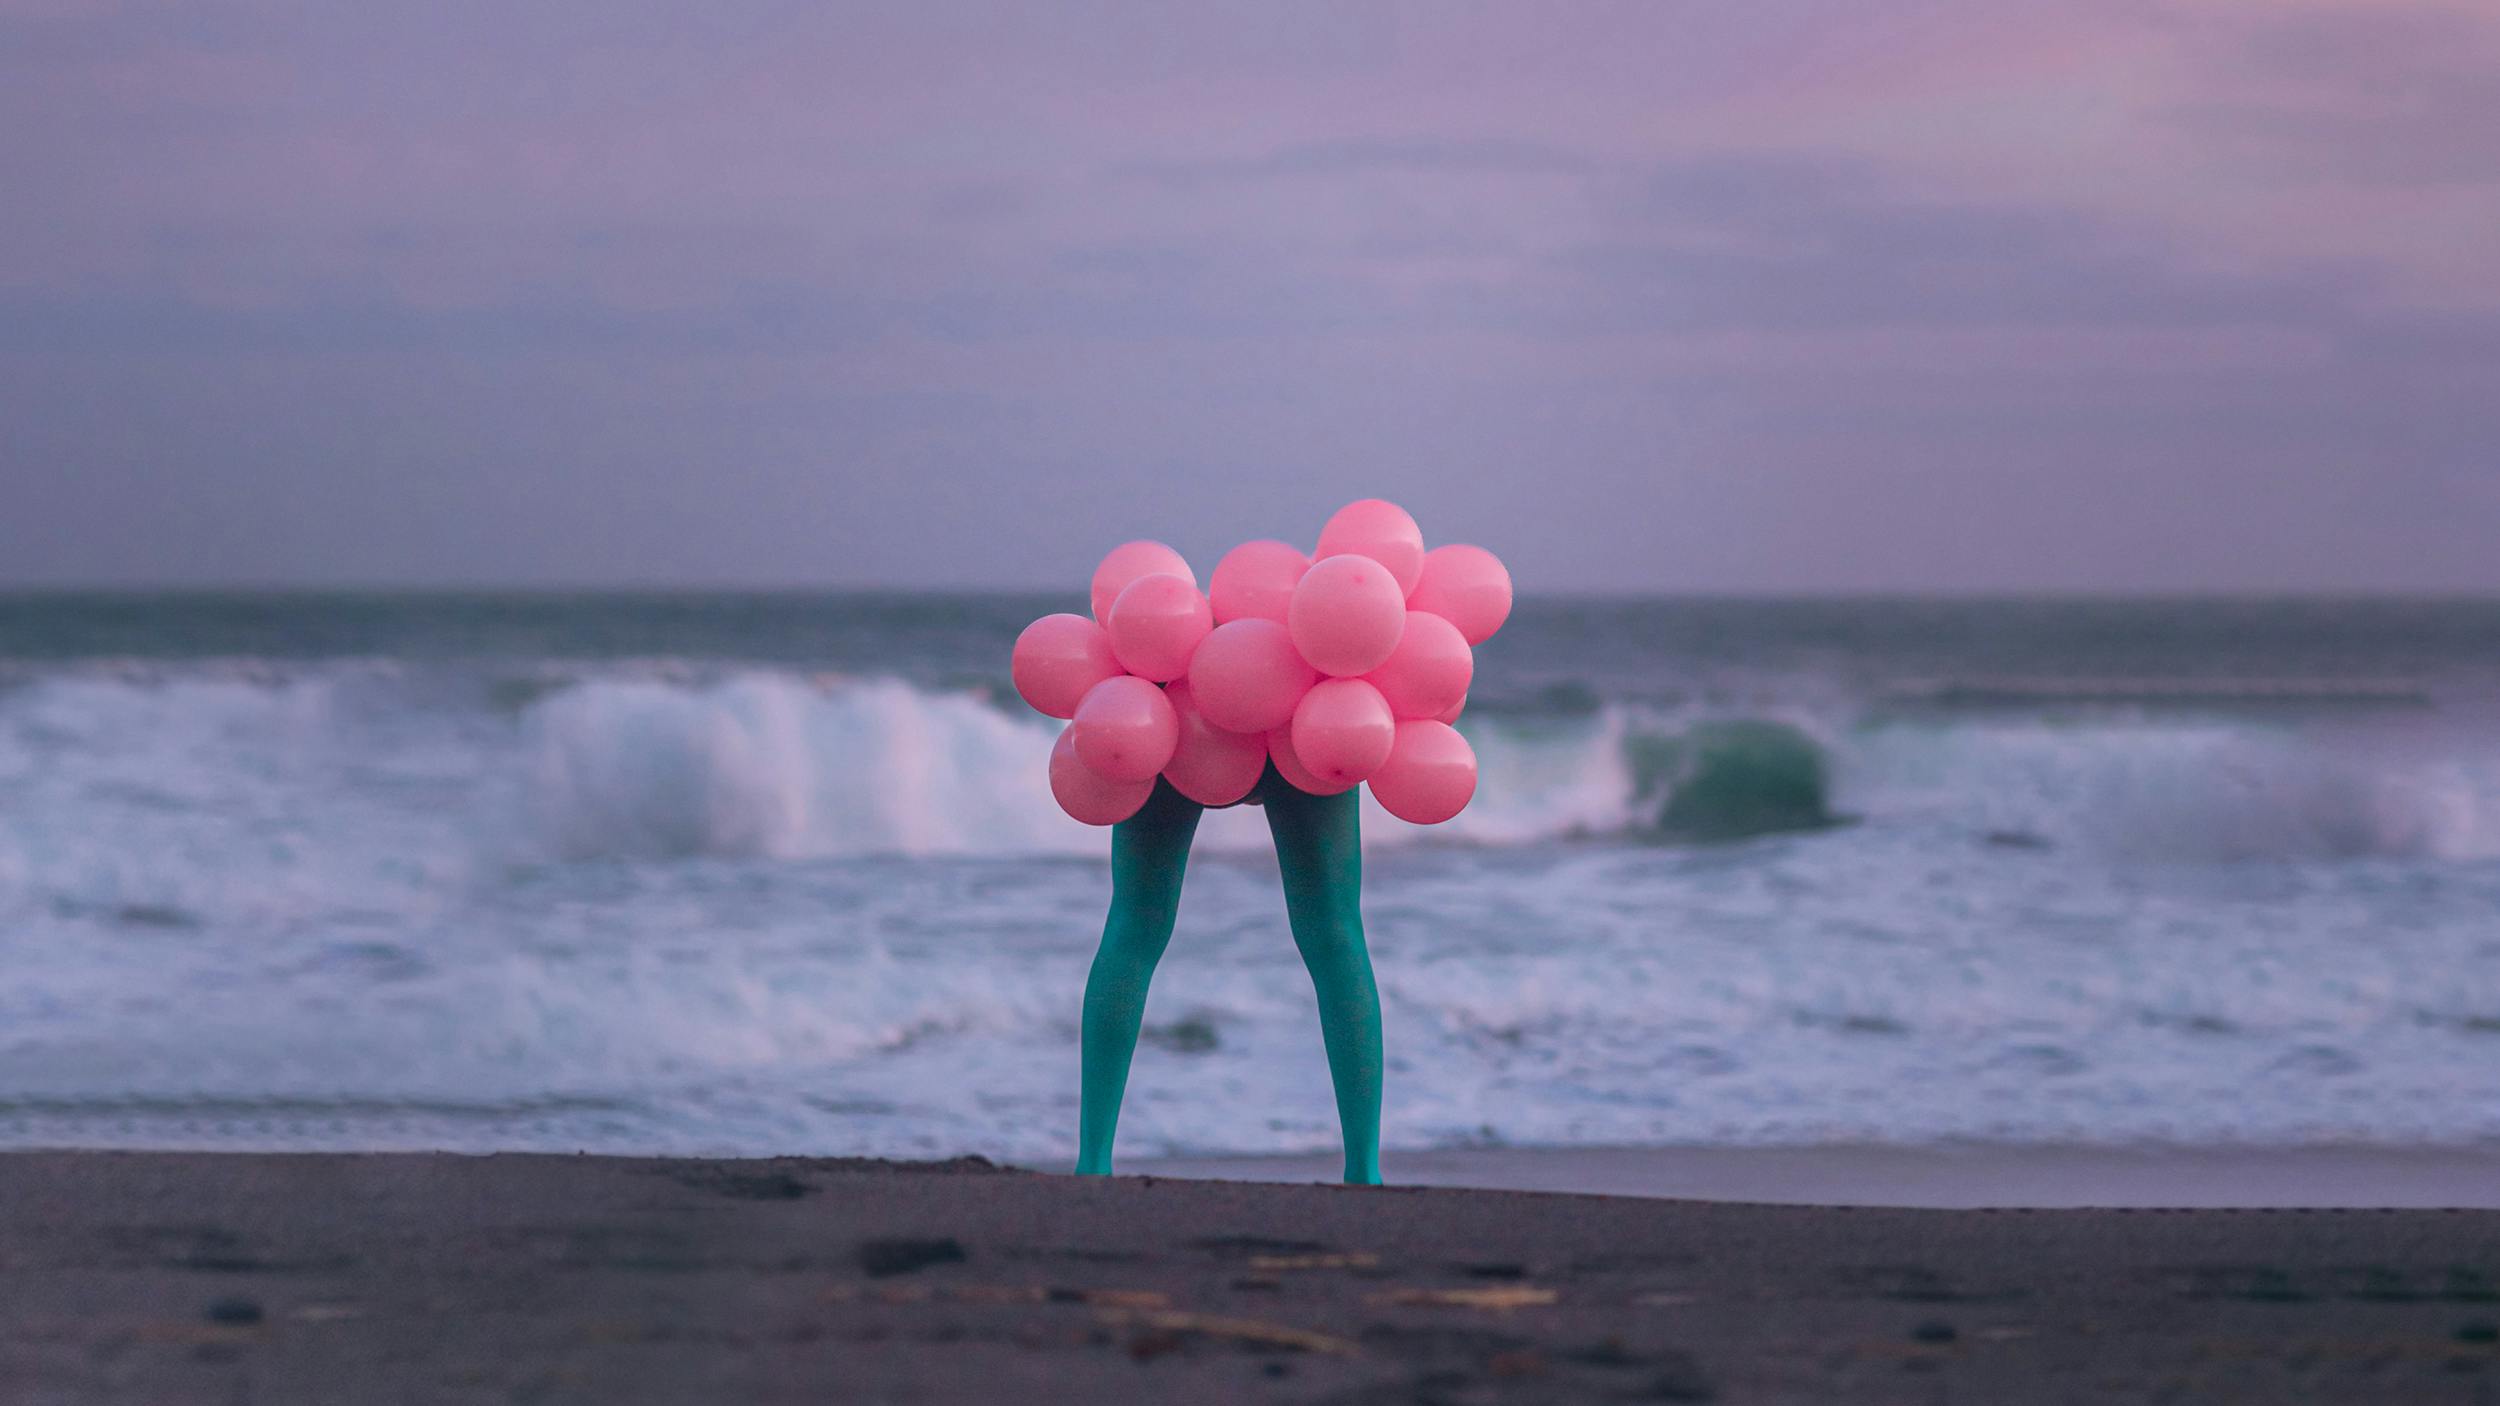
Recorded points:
(757, 874)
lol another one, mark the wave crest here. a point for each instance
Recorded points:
(771, 765)
(371, 765)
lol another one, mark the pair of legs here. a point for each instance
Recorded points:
(1319, 849)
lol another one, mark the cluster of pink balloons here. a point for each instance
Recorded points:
(1343, 667)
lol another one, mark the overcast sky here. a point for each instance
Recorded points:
(1779, 295)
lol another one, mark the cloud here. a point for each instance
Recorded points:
(1433, 156)
(1801, 243)
(2379, 98)
(1762, 295)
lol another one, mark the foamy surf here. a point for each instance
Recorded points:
(651, 761)
(750, 902)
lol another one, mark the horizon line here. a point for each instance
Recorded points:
(266, 589)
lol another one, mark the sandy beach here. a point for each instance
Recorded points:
(173, 1278)
(1945, 1176)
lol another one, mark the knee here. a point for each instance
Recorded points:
(1145, 905)
(1335, 954)
(1133, 940)
(1326, 920)
(1120, 976)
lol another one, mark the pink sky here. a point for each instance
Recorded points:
(1782, 296)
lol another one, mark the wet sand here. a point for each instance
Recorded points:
(1950, 1177)
(174, 1278)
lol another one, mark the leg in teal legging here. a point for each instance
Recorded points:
(1148, 852)
(1319, 850)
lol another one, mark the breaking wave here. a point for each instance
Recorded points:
(646, 906)
(769, 765)
(665, 762)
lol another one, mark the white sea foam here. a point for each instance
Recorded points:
(665, 907)
(769, 764)
(643, 762)
(772, 765)
(2192, 790)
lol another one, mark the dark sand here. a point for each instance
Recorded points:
(1944, 1177)
(171, 1278)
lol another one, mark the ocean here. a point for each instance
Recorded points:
(781, 874)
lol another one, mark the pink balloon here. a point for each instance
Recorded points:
(1255, 581)
(1088, 795)
(1343, 730)
(1156, 624)
(1379, 530)
(1128, 561)
(1428, 673)
(1346, 615)
(1467, 586)
(1451, 715)
(1211, 766)
(1125, 729)
(1056, 659)
(1290, 767)
(1430, 774)
(1247, 676)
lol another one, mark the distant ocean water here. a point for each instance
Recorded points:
(781, 874)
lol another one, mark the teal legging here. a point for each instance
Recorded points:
(1318, 846)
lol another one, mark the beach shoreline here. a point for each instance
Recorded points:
(1936, 1176)
(216, 1277)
